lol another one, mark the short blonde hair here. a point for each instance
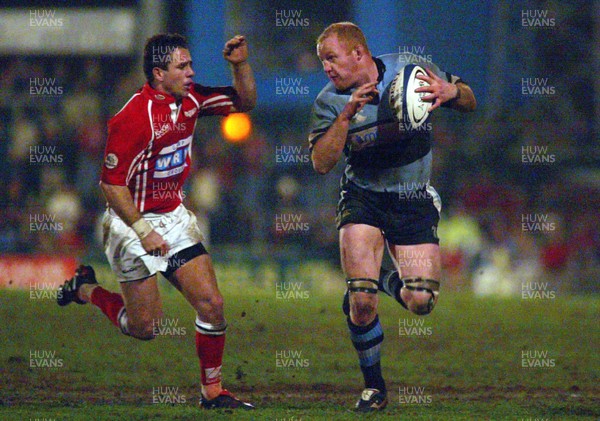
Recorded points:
(347, 32)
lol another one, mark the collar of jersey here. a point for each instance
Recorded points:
(158, 96)
(380, 72)
(380, 68)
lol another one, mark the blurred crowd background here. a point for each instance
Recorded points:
(51, 148)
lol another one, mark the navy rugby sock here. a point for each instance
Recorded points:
(367, 342)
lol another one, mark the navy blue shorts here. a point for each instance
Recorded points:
(405, 219)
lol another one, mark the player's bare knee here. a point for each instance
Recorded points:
(363, 312)
(211, 308)
(215, 304)
(363, 300)
(423, 306)
(420, 295)
(144, 328)
(142, 332)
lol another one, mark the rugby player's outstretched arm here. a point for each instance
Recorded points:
(119, 199)
(329, 148)
(236, 53)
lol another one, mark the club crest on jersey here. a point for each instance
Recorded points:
(111, 161)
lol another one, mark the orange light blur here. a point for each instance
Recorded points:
(236, 127)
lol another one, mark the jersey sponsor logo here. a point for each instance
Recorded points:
(111, 161)
(171, 159)
(363, 139)
(174, 159)
(191, 112)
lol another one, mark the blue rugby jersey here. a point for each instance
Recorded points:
(379, 156)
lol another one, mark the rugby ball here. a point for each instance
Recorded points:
(407, 105)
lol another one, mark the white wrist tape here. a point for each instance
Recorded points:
(142, 228)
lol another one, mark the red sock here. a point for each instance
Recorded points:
(110, 303)
(210, 351)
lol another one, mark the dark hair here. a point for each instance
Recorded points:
(158, 50)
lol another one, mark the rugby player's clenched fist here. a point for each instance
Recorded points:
(236, 50)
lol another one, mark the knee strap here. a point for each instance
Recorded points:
(210, 329)
(419, 284)
(368, 285)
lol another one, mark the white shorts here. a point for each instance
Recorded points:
(124, 251)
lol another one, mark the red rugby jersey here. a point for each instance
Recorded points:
(149, 143)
